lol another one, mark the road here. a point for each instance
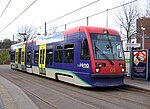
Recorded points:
(50, 94)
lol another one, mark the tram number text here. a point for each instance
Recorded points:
(112, 70)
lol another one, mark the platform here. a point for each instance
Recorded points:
(138, 83)
(12, 97)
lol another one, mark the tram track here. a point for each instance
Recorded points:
(43, 99)
(114, 96)
(122, 97)
(134, 90)
(126, 99)
(74, 91)
(101, 95)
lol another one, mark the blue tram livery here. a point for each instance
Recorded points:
(84, 56)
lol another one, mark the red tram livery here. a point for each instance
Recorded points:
(84, 56)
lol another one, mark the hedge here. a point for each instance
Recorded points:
(4, 57)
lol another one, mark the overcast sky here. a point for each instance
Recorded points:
(47, 10)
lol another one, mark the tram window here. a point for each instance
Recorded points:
(19, 57)
(69, 53)
(49, 57)
(41, 57)
(22, 57)
(42, 54)
(58, 47)
(12, 56)
(58, 54)
(28, 57)
(84, 54)
(36, 57)
(16, 57)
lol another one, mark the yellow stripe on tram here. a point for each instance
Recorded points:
(23, 55)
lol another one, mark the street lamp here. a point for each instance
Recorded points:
(143, 29)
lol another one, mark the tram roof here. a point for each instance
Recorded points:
(90, 29)
(59, 35)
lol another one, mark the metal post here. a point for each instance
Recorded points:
(45, 29)
(107, 18)
(131, 63)
(13, 39)
(65, 26)
(143, 29)
(87, 21)
(143, 40)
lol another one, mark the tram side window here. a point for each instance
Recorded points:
(12, 56)
(58, 54)
(42, 53)
(49, 57)
(16, 57)
(29, 58)
(19, 57)
(36, 57)
(22, 57)
(69, 53)
(84, 53)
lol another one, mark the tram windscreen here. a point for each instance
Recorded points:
(107, 47)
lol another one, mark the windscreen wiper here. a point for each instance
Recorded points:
(104, 55)
(110, 46)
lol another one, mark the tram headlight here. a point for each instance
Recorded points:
(123, 69)
(122, 64)
(97, 70)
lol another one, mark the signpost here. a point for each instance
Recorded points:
(128, 61)
(133, 45)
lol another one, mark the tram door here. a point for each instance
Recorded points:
(23, 58)
(16, 57)
(42, 58)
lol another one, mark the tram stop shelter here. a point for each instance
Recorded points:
(138, 64)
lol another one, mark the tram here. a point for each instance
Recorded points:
(84, 56)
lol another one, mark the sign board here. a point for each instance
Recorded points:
(59, 36)
(140, 64)
(133, 45)
(146, 37)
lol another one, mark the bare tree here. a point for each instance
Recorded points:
(25, 32)
(148, 8)
(52, 30)
(126, 18)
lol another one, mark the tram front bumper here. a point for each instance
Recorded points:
(107, 75)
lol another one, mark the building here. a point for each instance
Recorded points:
(143, 29)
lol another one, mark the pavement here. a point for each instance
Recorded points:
(12, 97)
(137, 83)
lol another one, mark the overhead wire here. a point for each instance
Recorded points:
(18, 16)
(63, 15)
(5, 9)
(69, 13)
(96, 14)
(113, 8)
